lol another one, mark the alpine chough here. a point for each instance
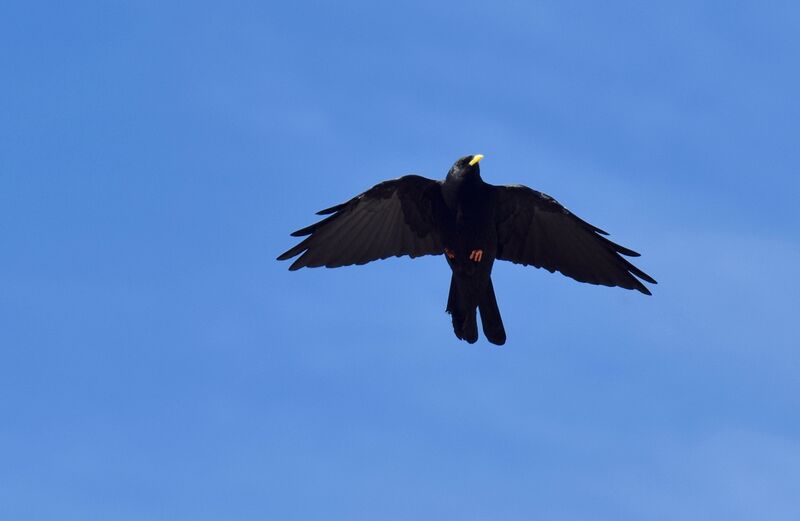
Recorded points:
(472, 223)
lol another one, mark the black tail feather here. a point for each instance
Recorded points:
(464, 314)
(490, 317)
(454, 309)
(470, 329)
(465, 324)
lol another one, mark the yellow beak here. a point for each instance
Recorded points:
(475, 159)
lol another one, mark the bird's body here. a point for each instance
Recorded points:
(470, 203)
(473, 223)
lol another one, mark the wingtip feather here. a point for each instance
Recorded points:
(286, 255)
(332, 209)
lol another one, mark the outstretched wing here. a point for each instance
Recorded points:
(534, 229)
(393, 218)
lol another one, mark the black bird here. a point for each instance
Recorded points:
(472, 223)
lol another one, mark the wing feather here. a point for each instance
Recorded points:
(393, 218)
(534, 229)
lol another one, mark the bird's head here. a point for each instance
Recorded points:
(466, 167)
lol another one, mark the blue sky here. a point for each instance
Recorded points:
(157, 363)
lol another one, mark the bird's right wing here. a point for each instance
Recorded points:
(393, 218)
(533, 228)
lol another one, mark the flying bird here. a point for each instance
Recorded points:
(472, 223)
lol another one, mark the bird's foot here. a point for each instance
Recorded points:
(476, 255)
(450, 253)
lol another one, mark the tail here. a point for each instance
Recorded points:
(490, 317)
(465, 324)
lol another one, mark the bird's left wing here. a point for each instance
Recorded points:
(393, 218)
(533, 228)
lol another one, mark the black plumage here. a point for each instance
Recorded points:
(472, 223)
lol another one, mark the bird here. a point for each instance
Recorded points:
(472, 224)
